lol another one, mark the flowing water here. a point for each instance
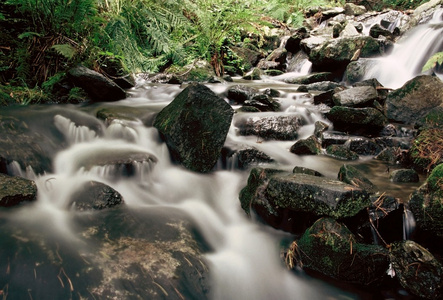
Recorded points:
(408, 55)
(244, 255)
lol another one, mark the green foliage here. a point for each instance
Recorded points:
(65, 50)
(434, 61)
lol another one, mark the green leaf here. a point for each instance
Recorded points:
(28, 34)
(432, 62)
(65, 50)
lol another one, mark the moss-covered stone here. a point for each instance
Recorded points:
(351, 175)
(341, 152)
(15, 190)
(426, 203)
(311, 145)
(331, 249)
(404, 175)
(195, 125)
(417, 270)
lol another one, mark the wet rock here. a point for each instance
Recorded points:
(362, 96)
(320, 127)
(278, 56)
(404, 175)
(97, 86)
(95, 196)
(16, 190)
(109, 114)
(351, 175)
(311, 78)
(293, 43)
(311, 145)
(323, 86)
(341, 152)
(246, 158)
(376, 31)
(390, 155)
(415, 99)
(355, 71)
(331, 249)
(333, 138)
(269, 66)
(417, 270)
(349, 30)
(389, 130)
(324, 98)
(263, 102)
(363, 146)
(195, 125)
(307, 171)
(251, 56)
(336, 54)
(19, 144)
(352, 9)
(360, 121)
(240, 93)
(317, 195)
(254, 74)
(270, 127)
(426, 204)
(310, 43)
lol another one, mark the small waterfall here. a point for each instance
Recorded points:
(409, 55)
(408, 224)
(73, 133)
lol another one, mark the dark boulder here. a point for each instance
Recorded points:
(292, 202)
(319, 128)
(355, 71)
(250, 56)
(270, 127)
(426, 204)
(363, 146)
(333, 138)
(195, 125)
(307, 171)
(241, 93)
(330, 248)
(15, 190)
(364, 121)
(377, 31)
(97, 86)
(404, 175)
(323, 86)
(362, 96)
(417, 270)
(415, 99)
(95, 196)
(293, 43)
(263, 102)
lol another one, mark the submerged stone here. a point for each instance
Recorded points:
(306, 146)
(341, 152)
(404, 175)
(95, 196)
(195, 125)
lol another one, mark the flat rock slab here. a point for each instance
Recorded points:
(15, 190)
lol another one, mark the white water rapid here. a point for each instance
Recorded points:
(408, 55)
(245, 260)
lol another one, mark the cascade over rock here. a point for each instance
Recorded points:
(415, 99)
(195, 125)
(97, 86)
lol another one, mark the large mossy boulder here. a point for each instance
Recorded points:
(195, 125)
(417, 270)
(336, 54)
(365, 121)
(330, 248)
(98, 87)
(15, 190)
(292, 201)
(426, 203)
(351, 175)
(415, 99)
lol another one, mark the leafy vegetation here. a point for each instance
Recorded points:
(434, 61)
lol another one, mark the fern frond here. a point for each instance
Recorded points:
(433, 61)
(65, 50)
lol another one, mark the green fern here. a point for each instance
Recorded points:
(434, 61)
(65, 50)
